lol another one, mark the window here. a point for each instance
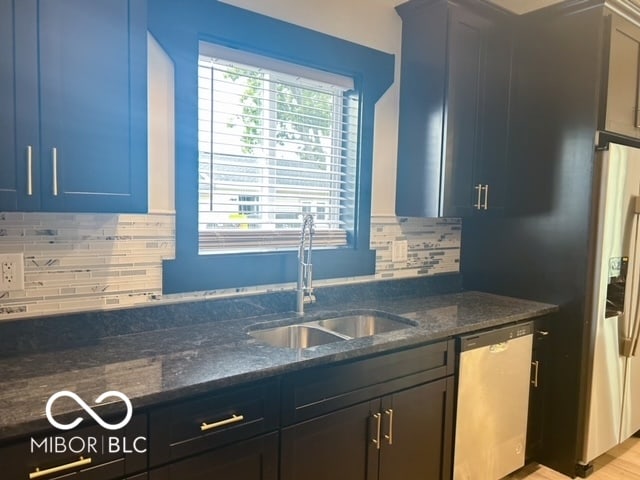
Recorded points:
(254, 232)
(275, 141)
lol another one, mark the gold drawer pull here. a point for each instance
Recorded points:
(29, 170)
(389, 436)
(234, 418)
(54, 161)
(376, 441)
(78, 463)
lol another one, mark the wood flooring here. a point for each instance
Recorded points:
(620, 463)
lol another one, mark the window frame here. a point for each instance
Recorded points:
(179, 27)
(332, 228)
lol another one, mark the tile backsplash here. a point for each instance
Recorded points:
(84, 262)
(433, 246)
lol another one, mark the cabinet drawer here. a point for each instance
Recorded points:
(254, 459)
(320, 390)
(213, 420)
(84, 453)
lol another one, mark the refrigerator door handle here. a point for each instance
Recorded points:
(630, 344)
(636, 324)
(635, 332)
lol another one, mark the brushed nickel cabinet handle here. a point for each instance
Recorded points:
(389, 436)
(54, 161)
(234, 419)
(485, 206)
(78, 463)
(478, 203)
(536, 366)
(29, 170)
(376, 441)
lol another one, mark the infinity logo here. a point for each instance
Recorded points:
(87, 408)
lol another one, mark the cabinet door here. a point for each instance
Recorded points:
(495, 107)
(8, 173)
(92, 81)
(417, 432)
(27, 148)
(454, 100)
(336, 446)
(538, 403)
(422, 108)
(255, 459)
(467, 47)
(622, 115)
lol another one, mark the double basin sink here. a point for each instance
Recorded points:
(329, 330)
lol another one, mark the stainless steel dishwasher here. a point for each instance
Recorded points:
(493, 401)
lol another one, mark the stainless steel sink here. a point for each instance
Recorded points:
(295, 336)
(362, 325)
(329, 330)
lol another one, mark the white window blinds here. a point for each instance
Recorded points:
(276, 141)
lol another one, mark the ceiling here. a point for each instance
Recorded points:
(523, 6)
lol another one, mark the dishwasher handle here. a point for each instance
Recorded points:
(536, 369)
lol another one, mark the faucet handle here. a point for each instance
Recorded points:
(309, 298)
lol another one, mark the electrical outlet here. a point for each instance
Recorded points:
(399, 251)
(11, 272)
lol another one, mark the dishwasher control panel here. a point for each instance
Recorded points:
(495, 336)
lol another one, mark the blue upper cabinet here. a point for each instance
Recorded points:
(621, 112)
(80, 103)
(8, 174)
(454, 106)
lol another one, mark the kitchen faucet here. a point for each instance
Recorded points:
(304, 288)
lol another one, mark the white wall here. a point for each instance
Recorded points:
(518, 6)
(375, 24)
(161, 128)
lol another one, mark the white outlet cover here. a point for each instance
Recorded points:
(11, 272)
(399, 251)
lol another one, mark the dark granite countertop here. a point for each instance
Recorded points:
(159, 366)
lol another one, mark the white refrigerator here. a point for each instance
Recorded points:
(613, 393)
